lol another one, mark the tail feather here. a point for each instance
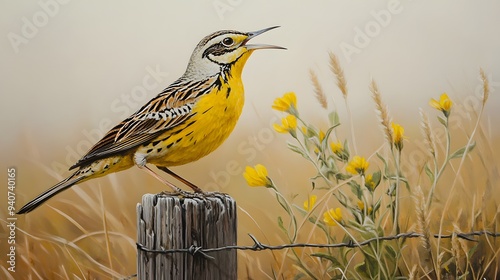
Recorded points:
(59, 187)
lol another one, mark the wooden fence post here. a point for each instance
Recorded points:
(170, 222)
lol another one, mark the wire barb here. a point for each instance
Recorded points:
(257, 245)
(193, 250)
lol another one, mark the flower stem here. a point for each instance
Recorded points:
(445, 163)
(396, 199)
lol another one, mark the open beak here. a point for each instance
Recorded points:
(259, 46)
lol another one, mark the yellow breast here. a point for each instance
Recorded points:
(215, 119)
(215, 116)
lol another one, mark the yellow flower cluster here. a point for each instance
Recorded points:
(309, 203)
(358, 165)
(332, 216)
(336, 147)
(398, 135)
(257, 176)
(361, 206)
(288, 125)
(369, 182)
(444, 104)
(287, 103)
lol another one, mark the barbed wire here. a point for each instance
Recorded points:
(258, 246)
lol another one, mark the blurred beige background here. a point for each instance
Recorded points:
(72, 69)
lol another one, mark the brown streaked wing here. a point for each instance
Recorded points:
(139, 129)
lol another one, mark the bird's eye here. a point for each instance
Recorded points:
(228, 41)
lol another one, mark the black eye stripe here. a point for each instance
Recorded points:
(217, 50)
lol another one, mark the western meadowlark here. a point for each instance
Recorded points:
(185, 122)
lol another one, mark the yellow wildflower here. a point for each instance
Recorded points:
(257, 176)
(357, 165)
(309, 203)
(398, 135)
(288, 124)
(336, 147)
(332, 216)
(361, 205)
(369, 182)
(444, 104)
(321, 135)
(287, 103)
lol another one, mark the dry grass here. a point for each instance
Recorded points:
(427, 133)
(383, 112)
(318, 90)
(339, 74)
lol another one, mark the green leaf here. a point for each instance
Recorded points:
(281, 226)
(334, 119)
(363, 270)
(342, 198)
(297, 149)
(342, 177)
(377, 205)
(324, 256)
(391, 253)
(460, 152)
(346, 150)
(283, 203)
(355, 224)
(330, 129)
(442, 120)
(429, 173)
(356, 189)
(324, 144)
(376, 177)
(386, 166)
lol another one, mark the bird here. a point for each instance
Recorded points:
(185, 122)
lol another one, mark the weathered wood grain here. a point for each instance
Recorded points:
(171, 222)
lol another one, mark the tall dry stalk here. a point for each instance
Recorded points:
(486, 85)
(318, 89)
(457, 252)
(382, 112)
(423, 222)
(486, 91)
(427, 133)
(339, 74)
